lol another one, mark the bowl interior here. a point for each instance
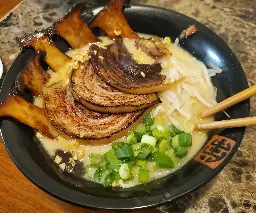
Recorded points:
(33, 161)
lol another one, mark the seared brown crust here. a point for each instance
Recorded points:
(33, 77)
(79, 122)
(153, 46)
(74, 30)
(118, 135)
(90, 90)
(130, 66)
(188, 32)
(54, 57)
(121, 73)
(112, 21)
(27, 113)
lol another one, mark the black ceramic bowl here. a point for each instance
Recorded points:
(207, 47)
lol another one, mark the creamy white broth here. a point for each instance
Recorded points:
(182, 63)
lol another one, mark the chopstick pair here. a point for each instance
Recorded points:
(241, 96)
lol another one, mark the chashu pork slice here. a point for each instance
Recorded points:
(116, 67)
(90, 90)
(111, 71)
(77, 121)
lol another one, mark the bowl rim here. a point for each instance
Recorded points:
(110, 203)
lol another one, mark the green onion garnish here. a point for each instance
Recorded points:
(142, 163)
(90, 171)
(163, 160)
(143, 176)
(95, 159)
(156, 133)
(124, 171)
(170, 153)
(148, 120)
(140, 128)
(181, 152)
(135, 170)
(114, 164)
(174, 130)
(110, 155)
(151, 157)
(164, 145)
(97, 174)
(160, 132)
(138, 135)
(135, 148)
(131, 139)
(144, 150)
(124, 152)
(182, 140)
(150, 140)
(117, 177)
(116, 145)
(185, 139)
(130, 158)
(107, 177)
(175, 142)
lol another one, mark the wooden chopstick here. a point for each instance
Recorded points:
(239, 122)
(241, 96)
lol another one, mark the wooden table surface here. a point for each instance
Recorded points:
(7, 6)
(17, 193)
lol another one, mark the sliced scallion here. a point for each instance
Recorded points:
(151, 157)
(97, 174)
(135, 148)
(124, 171)
(142, 163)
(182, 140)
(160, 128)
(164, 145)
(125, 152)
(181, 152)
(148, 120)
(174, 130)
(170, 153)
(185, 139)
(90, 171)
(143, 176)
(110, 155)
(139, 135)
(148, 130)
(163, 160)
(160, 132)
(149, 140)
(114, 164)
(175, 142)
(144, 150)
(116, 145)
(135, 170)
(140, 128)
(95, 159)
(156, 133)
(131, 139)
(117, 177)
(107, 177)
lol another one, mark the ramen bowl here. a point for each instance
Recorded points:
(29, 156)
